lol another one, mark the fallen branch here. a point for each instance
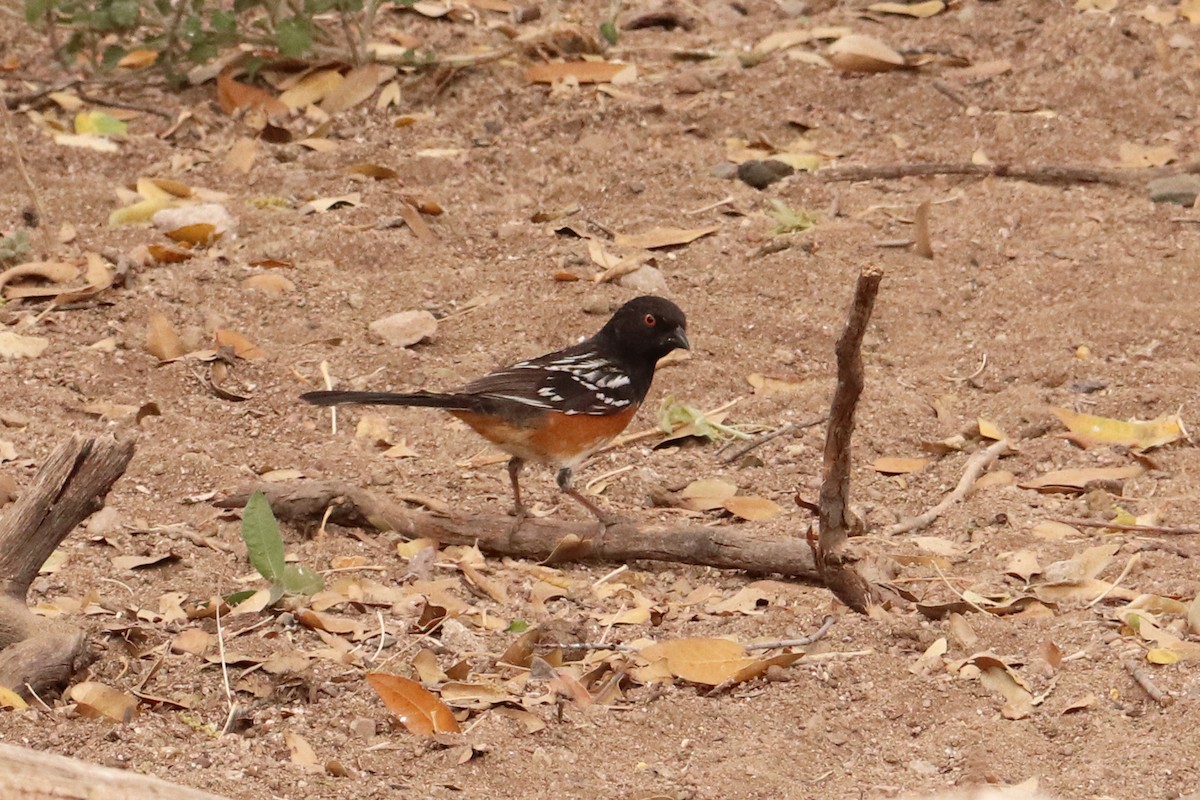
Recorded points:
(34, 775)
(552, 541)
(1142, 679)
(837, 523)
(1049, 173)
(1117, 526)
(766, 437)
(37, 653)
(977, 464)
(803, 641)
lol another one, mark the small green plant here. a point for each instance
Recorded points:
(189, 32)
(790, 220)
(608, 28)
(260, 532)
(672, 416)
(14, 246)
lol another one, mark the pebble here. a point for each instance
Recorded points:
(363, 728)
(761, 174)
(1179, 189)
(726, 171)
(646, 279)
(598, 306)
(404, 328)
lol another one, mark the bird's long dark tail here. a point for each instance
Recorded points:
(428, 399)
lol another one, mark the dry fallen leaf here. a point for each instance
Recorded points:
(752, 508)
(242, 347)
(1137, 156)
(769, 386)
(899, 465)
(1089, 429)
(233, 97)
(861, 53)
(359, 84)
(419, 710)
(929, 8)
(663, 237)
(707, 661)
(15, 345)
(582, 72)
(707, 494)
(1076, 480)
(95, 699)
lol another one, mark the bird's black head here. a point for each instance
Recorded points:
(647, 328)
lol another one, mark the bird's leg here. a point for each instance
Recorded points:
(564, 483)
(515, 465)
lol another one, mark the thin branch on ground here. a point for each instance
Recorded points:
(557, 541)
(35, 197)
(122, 104)
(1143, 679)
(803, 641)
(977, 464)
(1117, 526)
(766, 437)
(837, 523)
(1048, 173)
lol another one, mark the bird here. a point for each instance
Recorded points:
(559, 408)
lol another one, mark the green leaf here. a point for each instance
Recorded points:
(293, 36)
(35, 10)
(260, 531)
(124, 13)
(224, 25)
(237, 598)
(790, 220)
(299, 579)
(517, 626)
(608, 29)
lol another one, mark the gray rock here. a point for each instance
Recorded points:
(646, 279)
(761, 174)
(404, 329)
(1179, 189)
(726, 171)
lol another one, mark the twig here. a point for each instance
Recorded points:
(620, 648)
(229, 720)
(722, 202)
(1133, 559)
(1049, 173)
(1142, 679)
(836, 522)
(621, 570)
(982, 366)
(1117, 526)
(766, 437)
(15, 101)
(817, 635)
(835, 655)
(977, 464)
(34, 196)
(144, 109)
(952, 95)
(950, 586)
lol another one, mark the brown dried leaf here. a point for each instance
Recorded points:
(233, 96)
(707, 494)
(162, 341)
(312, 88)
(707, 661)
(753, 508)
(1076, 480)
(582, 72)
(242, 347)
(376, 171)
(768, 386)
(269, 282)
(240, 157)
(663, 237)
(300, 750)
(95, 699)
(899, 465)
(358, 86)
(861, 53)
(201, 234)
(419, 710)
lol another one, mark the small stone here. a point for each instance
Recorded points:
(363, 728)
(356, 301)
(793, 8)
(646, 279)
(104, 521)
(761, 174)
(688, 83)
(459, 639)
(1179, 189)
(598, 306)
(404, 329)
(726, 171)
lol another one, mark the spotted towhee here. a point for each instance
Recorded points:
(559, 408)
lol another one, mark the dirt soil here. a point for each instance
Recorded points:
(1038, 296)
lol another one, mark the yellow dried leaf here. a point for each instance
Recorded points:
(359, 84)
(269, 282)
(16, 345)
(899, 465)
(242, 347)
(1191, 10)
(1076, 480)
(1161, 655)
(137, 59)
(240, 157)
(753, 508)
(706, 661)
(1137, 156)
(768, 386)
(929, 8)
(707, 494)
(95, 699)
(861, 53)
(582, 72)
(990, 430)
(10, 699)
(1159, 16)
(161, 340)
(1140, 435)
(312, 88)
(1048, 529)
(200, 234)
(663, 237)
(140, 211)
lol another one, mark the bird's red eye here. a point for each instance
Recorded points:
(649, 320)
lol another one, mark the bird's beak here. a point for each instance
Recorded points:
(679, 338)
